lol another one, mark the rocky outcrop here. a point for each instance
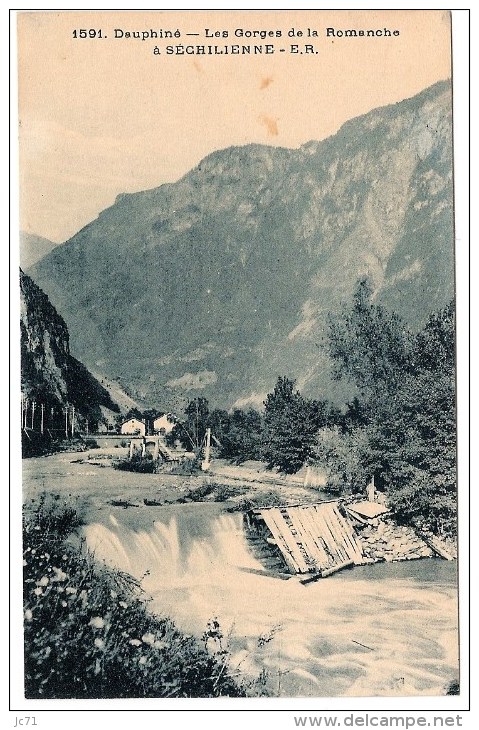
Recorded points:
(50, 376)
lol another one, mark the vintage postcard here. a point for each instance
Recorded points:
(238, 362)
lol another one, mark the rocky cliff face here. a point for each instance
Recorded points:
(50, 375)
(217, 284)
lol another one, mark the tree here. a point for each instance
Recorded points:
(341, 454)
(368, 344)
(219, 422)
(191, 431)
(407, 405)
(243, 439)
(418, 435)
(290, 427)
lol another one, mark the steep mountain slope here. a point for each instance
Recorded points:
(222, 281)
(50, 375)
(33, 248)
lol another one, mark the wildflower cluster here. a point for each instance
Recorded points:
(88, 633)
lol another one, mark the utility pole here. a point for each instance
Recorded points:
(33, 413)
(66, 421)
(41, 421)
(205, 465)
(25, 413)
(197, 436)
(73, 419)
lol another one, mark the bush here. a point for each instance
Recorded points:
(187, 468)
(88, 633)
(53, 516)
(139, 464)
(200, 493)
(90, 443)
(211, 492)
(262, 499)
(223, 492)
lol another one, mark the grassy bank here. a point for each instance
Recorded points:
(88, 633)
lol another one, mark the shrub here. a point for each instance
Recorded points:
(223, 492)
(139, 464)
(187, 468)
(90, 443)
(200, 493)
(53, 516)
(211, 492)
(262, 499)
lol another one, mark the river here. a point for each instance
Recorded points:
(380, 630)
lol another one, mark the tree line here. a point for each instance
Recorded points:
(399, 429)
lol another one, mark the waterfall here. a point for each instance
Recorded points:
(353, 634)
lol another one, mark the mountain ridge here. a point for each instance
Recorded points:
(217, 283)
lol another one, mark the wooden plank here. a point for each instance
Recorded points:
(305, 537)
(279, 541)
(343, 533)
(281, 533)
(322, 557)
(356, 517)
(437, 546)
(331, 516)
(319, 526)
(311, 528)
(326, 535)
(343, 547)
(288, 538)
(355, 551)
(335, 541)
(335, 568)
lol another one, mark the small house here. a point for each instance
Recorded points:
(163, 425)
(133, 427)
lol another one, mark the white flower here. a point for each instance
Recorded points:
(148, 639)
(97, 622)
(123, 604)
(43, 581)
(99, 643)
(71, 590)
(28, 615)
(38, 591)
(142, 660)
(135, 642)
(59, 575)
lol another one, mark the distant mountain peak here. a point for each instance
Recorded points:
(33, 248)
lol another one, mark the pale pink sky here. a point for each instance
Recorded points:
(105, 116)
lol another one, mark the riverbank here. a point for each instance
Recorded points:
(378, 630)
(90, 475)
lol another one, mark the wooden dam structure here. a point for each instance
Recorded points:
(312, 540)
